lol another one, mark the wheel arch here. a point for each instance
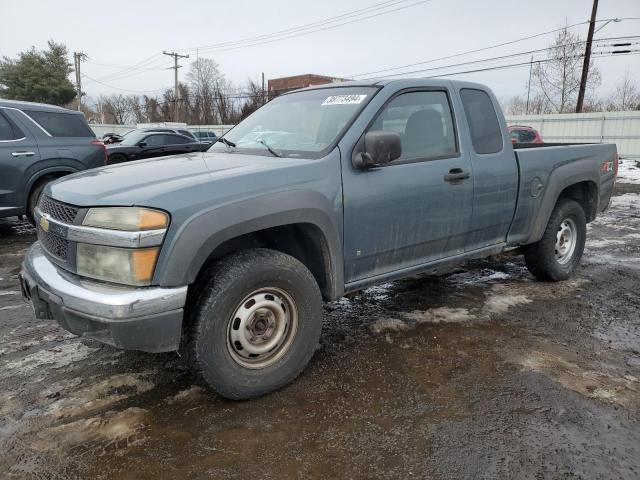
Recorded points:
(50, 172)
(308, 232)
(579, 186)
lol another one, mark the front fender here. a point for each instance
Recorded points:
(185, 252)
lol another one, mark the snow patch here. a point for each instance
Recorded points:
(440, 315)
(412, 319)
(57, 357)
(112, 428)
(501, 302)
(628, 171)
(601, 386)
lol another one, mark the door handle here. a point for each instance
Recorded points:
(456, 175)
(23, 154)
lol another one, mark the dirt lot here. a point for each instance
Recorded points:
(484, 373)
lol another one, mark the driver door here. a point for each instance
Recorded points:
(416, 209)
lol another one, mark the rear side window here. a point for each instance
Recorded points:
(486, 136)
(61, 124)
(177, 139)
(8, 131)
(156, 140)
(186, 133)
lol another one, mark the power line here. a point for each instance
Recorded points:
(137, 68)
(483, 60)
(302, 33)
(122, 89)
(467, 52)
(318, 23)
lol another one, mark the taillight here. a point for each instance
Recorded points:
(104, 148)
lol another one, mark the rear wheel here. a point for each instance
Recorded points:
(255, 324)
(557, 255)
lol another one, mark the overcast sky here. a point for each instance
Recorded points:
(124, 40)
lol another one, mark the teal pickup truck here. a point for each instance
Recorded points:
(227, 255)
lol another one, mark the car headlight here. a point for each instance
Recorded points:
(131, 266)
(131, 219)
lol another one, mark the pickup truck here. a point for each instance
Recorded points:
(226, 256)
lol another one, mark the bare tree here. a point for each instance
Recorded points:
(114, 108)
(255, 98)
(137, 112)
(205, 80)
(558, 79)
(626, 95)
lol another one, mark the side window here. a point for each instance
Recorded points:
(486, 136)
(176, 139)
(424, 122)
(186, 133)
(7, 131)
(155, 140)
(62, 124)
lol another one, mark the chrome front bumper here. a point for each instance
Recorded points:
(146, 318)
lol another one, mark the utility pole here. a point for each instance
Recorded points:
(529, 85)
(587, 57)
(77, 58)
(264, 100)
(175, 68)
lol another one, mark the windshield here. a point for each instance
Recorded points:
(133, 138)
(301, 124)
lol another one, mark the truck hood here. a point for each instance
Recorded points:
(161, 182)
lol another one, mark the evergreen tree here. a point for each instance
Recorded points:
(38, 76)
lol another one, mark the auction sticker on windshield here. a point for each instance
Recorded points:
(344, 99)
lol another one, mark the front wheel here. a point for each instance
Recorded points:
(557, 255)
(255, 324)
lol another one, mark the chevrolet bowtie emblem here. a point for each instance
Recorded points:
(44, 224)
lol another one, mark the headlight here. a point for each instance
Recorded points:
(131, 266)
(131, 219)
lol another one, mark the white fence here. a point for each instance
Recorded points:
(621, 128)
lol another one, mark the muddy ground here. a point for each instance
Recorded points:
(484, 373)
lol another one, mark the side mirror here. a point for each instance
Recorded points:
(380, 148)
(142, 144)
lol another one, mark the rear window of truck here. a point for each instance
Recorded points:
(483, 121)
(61, 124)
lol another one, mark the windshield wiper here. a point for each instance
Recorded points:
(271, 150)
(228, 143)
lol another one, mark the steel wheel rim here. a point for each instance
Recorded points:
(262, 328)
(566, 241)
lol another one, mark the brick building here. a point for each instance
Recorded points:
(276, 86)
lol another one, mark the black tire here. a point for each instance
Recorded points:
(116, 158)
(541, 258)
(218, 295)
(34, 196)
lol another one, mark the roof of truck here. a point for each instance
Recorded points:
(381, 82)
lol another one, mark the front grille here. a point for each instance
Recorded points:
(56, 246)
(58, 210)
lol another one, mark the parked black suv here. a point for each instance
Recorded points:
(39, 143)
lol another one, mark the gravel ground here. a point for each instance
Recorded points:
(483, 373)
